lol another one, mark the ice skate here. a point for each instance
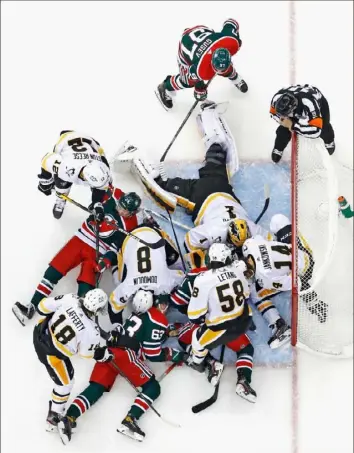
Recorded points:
(53, 418)
(276, 155)
(281, 334)
(241, 85)
(164, 97)
(58, 208)
(130, 428)
(244, 390)
(66, 427)
(330, 147)
(23, 312)
(214, 370)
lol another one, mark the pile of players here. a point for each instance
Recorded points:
(230, 264)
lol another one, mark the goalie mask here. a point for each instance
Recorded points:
(238, 232)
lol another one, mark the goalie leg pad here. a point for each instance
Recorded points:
(214, 130)
(159, 195)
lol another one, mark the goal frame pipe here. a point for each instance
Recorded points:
(294, 229)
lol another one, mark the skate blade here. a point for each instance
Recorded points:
(20, 317)
(126, 432)
(51, 428)
(160, 100)
(250, 398)
(280, 342)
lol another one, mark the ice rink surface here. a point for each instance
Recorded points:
(93, 67)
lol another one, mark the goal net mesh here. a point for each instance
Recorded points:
(322, 303)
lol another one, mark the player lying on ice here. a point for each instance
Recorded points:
(217, 213)
(119, 209)
(67, 328)
(202, 54)
(76, 159)
(141, 336)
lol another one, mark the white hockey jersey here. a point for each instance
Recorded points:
(71, 153)
(219, 294)
(273, 262)
(140, 267)
(72, 332)
(213, 219)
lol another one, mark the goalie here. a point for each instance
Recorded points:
(217, 213)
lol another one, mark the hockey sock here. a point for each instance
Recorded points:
(83, 288)
(268, 311)
(46, 285)
(244, 362)
(85, 400)
(175, 83)
(150, 392)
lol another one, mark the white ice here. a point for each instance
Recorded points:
(93, 66)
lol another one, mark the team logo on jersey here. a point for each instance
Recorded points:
(106, 229)
(70, 171)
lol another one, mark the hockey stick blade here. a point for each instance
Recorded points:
(266, 203)
(209, 402)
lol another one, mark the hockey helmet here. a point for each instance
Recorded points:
(286, 104)
(95, 301)
(238, 232)
(280, 226)
(161, 302)
(129, 204)
(142, 301)
(218, 255)
(96, 174)
(221, 60)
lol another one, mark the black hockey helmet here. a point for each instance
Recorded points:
(286, 104)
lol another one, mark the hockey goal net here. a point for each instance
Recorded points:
(322, 300)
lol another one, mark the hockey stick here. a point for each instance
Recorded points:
(169, 422)
(163, 157)
(266, 203)
(207, 403)
(177, 243)
(166, 372)
(163, 217)
(156, 245)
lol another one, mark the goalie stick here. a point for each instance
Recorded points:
(160, 243)
(207, 403)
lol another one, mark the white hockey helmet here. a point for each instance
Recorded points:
(280, 226)
(142, 301)
(95, 301)
(219, 255)
(96, 174)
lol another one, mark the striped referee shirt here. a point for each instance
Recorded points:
(307, 117)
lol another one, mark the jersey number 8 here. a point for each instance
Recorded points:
(144, 261)
(227, 301)
(65, 334)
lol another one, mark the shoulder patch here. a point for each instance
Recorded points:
(156, 316)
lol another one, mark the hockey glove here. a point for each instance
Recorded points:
(102, 354)
(175, 356)
(200, 91)
(102, 265)
(114, 339)
(46, 186)
(98, 212)
(286, 122)
(149, 221)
